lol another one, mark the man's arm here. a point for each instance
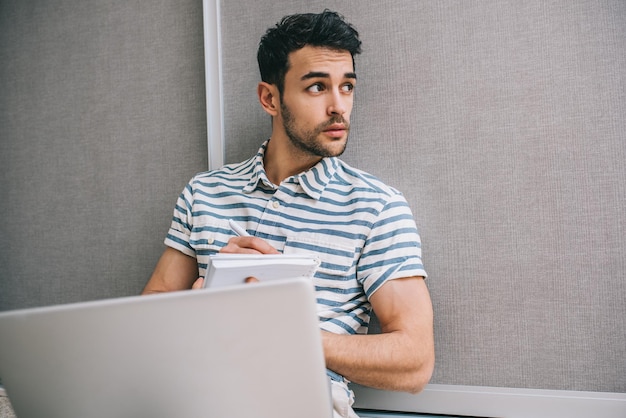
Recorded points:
(402, 357)
(174, 271)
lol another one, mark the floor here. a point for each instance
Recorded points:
(381, 414)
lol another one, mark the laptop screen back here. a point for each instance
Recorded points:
(250, 351)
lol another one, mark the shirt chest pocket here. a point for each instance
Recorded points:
(338, 260)
(209, 237)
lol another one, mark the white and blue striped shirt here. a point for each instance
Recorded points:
(361, 229)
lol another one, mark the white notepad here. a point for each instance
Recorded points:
(234, 269)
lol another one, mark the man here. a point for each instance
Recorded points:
(295, 195)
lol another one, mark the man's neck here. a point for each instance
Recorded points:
(283, 160)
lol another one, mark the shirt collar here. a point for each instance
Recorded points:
(313, 181)
(258, 171)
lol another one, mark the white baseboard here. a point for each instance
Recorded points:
(478, 401)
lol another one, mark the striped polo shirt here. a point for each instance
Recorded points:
(361, 229)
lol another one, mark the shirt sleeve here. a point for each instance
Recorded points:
(178, 236)
(393, 248)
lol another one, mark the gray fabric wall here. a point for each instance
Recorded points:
(102, 123)
(504, 124)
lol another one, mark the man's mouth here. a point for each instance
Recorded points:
(336, 130)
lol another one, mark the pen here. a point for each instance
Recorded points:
(237, 229)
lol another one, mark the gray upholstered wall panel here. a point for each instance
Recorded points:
(504, 124)
(102, 122)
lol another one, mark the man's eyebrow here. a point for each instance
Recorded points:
(320, 74)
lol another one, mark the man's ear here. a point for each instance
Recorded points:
(268, 97)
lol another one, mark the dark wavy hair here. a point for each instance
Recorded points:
(327, 29)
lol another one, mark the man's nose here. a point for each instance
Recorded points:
(339, 104)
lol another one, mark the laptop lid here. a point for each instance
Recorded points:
(248, 351)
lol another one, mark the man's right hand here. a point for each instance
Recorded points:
(248, 245)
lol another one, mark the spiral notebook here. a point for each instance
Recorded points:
(233, 269)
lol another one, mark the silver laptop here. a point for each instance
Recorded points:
(253, 351)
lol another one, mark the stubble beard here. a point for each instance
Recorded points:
(307, 141)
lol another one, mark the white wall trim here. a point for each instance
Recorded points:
(495, 402)
(213, 81)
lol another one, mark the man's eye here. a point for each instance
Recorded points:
(347, 88)
(316, 88)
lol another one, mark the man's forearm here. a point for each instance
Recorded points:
(402, 356)
(391, 361)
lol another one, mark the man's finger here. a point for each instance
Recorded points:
(198, 284)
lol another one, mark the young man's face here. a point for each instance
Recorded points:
(317, 100)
